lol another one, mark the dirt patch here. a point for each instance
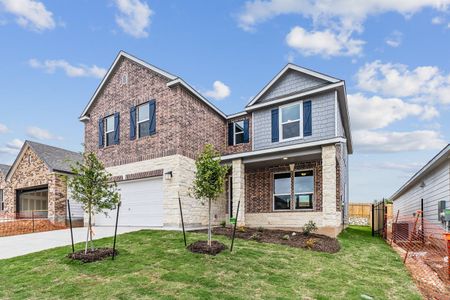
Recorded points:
(92, 255)
(315, 242)
(203, 248)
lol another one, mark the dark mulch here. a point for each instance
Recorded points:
(316, 242)
(203, 248)
(92, 255)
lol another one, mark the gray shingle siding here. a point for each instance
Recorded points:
(323, 123)
(340, 126)
(291, 82)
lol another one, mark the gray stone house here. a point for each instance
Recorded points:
(288, 149)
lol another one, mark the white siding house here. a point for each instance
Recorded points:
(432, 184)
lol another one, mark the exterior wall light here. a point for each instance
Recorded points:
(168, 175)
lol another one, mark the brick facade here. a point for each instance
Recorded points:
(184, 124)
(31, 172)
(259, 186)
(240, 147)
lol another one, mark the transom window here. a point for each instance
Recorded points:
(143, 120)
(238, 132)
(290, 121)
(302, 193)
(282, 191)
(109, 130)
(304, 189)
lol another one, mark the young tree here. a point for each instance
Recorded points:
(209, 179)
(91, 185)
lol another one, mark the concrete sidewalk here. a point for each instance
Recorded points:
(12, 246)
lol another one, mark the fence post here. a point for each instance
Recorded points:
(182, 221)
(32, 218)
(234, 229)
(393, 231)
(115, 231)
(70, 222)
(373, 220)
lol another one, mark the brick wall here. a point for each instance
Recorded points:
(183, 123)
(240, 147)
(259, 186)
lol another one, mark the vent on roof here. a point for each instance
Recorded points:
(124, 78)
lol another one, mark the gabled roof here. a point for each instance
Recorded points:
(442, 157)
(56, 159)
(174, 80)
(287, 68)
(4, 169)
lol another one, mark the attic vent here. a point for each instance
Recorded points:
(124, 79)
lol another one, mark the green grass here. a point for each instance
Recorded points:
(154, 264)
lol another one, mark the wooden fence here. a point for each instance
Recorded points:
(361, 213)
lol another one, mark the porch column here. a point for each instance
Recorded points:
(329, 186)
(238, 177)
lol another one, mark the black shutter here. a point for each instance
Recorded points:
(307, 118)
(275, 130)
(100, 133)
(132, 122)
(230, 134)
(152, 114)
(246, 131)
(116, 128)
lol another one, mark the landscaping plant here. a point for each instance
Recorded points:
(91, 185)
(209, 179)
(309, 227)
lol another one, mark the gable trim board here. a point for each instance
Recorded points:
(283, 71)
(442, 157)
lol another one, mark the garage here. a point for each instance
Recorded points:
(142, 204)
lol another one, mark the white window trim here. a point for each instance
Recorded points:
(142, 121)
(234, 132)
(280, 124)
(106, 129)
(273, 193)
(306, 193)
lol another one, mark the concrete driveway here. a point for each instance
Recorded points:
(12, 246)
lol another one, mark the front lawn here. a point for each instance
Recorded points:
(154, 264)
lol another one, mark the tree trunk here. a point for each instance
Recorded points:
(209, 222)
(87, 236)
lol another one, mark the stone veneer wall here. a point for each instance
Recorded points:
(32, 172)
(195, 212)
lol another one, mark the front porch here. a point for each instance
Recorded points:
(287, 189)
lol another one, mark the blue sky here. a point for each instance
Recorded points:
(393, 56)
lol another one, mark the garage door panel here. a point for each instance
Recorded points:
(142, 204)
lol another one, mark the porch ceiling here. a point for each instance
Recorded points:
(283, 158)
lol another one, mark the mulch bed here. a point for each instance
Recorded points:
(203, 248)
(92, 255)
(315, 242)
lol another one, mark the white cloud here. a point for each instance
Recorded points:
(437, 20)
(325, 43)
(374, 141)
(41, 134)
(405, 167)
(219, 91)
(376, 112)
(134, 17)
(50, 66)
(426, 83)
(348, 13)
(3, 128)
(15, 144)
(394, 39)
(30, 14)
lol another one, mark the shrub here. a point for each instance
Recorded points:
(241, 229)
(256, 236)
(310, 243)
(223, 224)
(260, 229)
(309, 227)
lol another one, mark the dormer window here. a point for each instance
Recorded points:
(290, 121)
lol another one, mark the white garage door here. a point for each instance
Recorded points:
(142, 204)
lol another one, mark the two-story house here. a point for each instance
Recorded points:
(288, 150)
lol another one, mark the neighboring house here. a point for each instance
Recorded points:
(35, 183)
(427, 191)
(288, 150)
(3, 171)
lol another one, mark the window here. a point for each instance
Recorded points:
(282, 191)
(2, 204)
(290, 121)
(304, 189)
(239, 132)
(124, 78)
(143, 120)
(109, 130)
